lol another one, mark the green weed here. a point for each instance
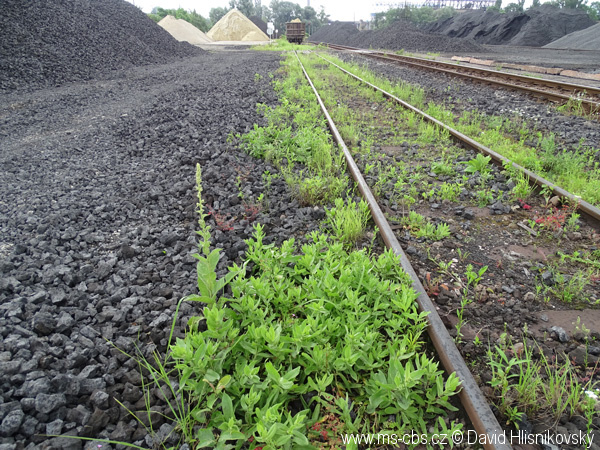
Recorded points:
(479, 164)
(302, 323)
(348, 221)
(545, 388)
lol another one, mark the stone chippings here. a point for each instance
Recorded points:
(398, 36)
(51, 42)
(98, 226)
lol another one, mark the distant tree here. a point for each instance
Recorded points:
(497, 6)
(284, 12)
(571, 4)
(594, 10)
(266, 13)
(414, 14)
(310, 19)
(257, 8)
(322, 16)
(575, 4)
(246, 7)
(422, 15)
(394, 14)
(189, 16)
(515, 7)
(215, 14)
(444, 13)
(536, 4)
(262, 11)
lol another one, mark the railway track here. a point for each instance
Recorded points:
(585, 207)
(473, 401)
(586, 97)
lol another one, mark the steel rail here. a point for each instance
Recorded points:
(571, 87)
(477, 408)
(573, 90)
(583, 206)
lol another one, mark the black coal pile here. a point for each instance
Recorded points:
(586, 39)
(259, 23)
(399, 35)
(532, 28)
(50, 42)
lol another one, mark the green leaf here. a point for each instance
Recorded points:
(205, 438)
(300, 438)
(211, 376)
(232, 436)
(227, 406)
(272, 372)
(223, 382)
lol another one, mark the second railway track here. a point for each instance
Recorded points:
(560, 92)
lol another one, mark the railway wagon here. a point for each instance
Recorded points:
(295, 31)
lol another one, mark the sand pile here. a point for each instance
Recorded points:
(50, 42)
(532, 28)
(234, 26)
(184, 31)
(586, 39)
(399, 35)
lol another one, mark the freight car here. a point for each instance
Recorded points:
(295, 31)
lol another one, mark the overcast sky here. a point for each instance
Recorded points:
(338, 9)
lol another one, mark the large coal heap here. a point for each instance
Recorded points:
(586, 39)
(399, 35)
(259, 23)
(50, 42)
(532, 28)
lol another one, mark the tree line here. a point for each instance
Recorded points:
(423, 15)
(593, 9)
(279, 12)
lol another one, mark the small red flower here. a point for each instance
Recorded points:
(251, 439)
(324, 434)
(526, 206)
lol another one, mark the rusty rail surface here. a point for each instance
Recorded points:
(475, 404)
(561, 92)
(583, 206)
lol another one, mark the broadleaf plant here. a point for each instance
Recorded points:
(320, 336)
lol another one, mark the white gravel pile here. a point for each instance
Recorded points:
(184, 31)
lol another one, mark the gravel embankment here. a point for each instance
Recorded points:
(97, 227)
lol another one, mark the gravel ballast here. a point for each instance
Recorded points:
(97, 230)
(52, 42)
